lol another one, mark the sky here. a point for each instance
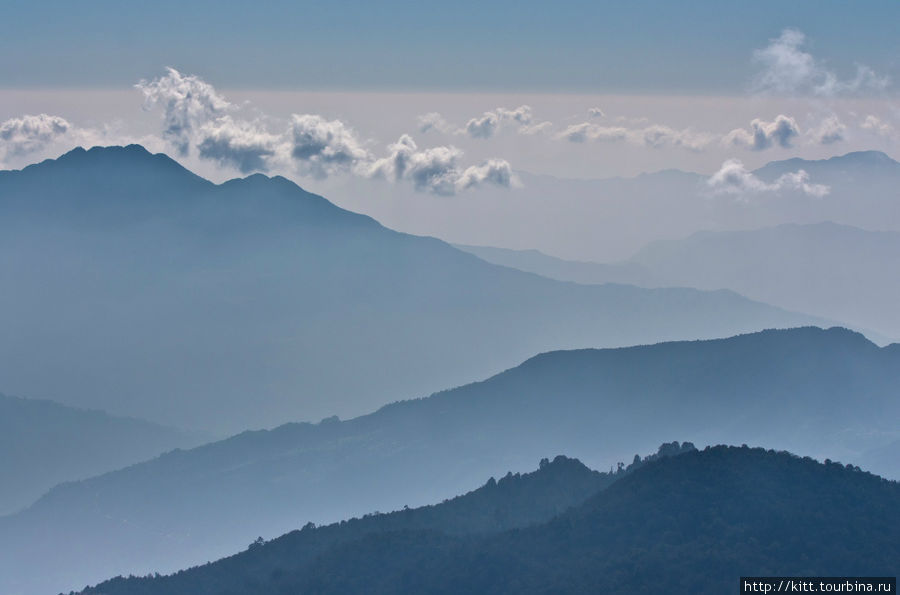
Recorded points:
(416, 101)
(655, 46)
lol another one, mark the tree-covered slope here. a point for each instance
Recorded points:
(828, 393)
(513, 501)
(688, 524)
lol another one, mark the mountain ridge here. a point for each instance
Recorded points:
(211, 293)
(693, 522)
(870, 158)
(44, 443)
(600, 406)
(834, 270)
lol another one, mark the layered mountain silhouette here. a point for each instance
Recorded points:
(861, 167)
(834, 271)
(693, 523)
(608, 220)
(151, 292)
(576, 271)
(44, 443)
(512, 502)
(830, 393)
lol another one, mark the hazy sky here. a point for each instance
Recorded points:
(657, 46)
(445, 100)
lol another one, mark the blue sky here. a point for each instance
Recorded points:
(657, 46)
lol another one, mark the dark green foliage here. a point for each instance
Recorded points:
(516, 500)
(687, 524)
(827, 393)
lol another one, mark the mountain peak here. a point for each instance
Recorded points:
(132, 165)
(839, 163)
(811, 336)
(133, 153)
(864, 157)
(131, 181)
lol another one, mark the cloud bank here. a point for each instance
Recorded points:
(487, 124)
(437, 169)
(654, 136)
(197, 117)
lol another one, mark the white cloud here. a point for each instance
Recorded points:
(197, 117)
(788, 70)
(763, 135)
(187, 102)
(492, 171)
(657, 135)
(596, 112)
(653, 136)
(536, 128)
(830, 131)
(585, 131)
(437, 169)
(246, 146)
(324, 147)
(733, 178)
(877, 125)
(487, 124)
(31, 134)
(484, 126)
(435, 121)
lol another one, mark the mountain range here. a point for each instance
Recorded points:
(513, 501)
(608, 220)
(151, 292)
(829, 393)
(43, 444)
(834, 271)
(693, 523)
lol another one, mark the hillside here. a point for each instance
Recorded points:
(43, 444)
(154, 293)
(688, 524)
(830, 393)
(514, 501)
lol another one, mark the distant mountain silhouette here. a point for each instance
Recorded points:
(43, 444)
(608, 220)
(834, 271)
(152, 292)
(590, 273)
(829, 393)
(688, 524)
(858, 166)
(512, 502)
